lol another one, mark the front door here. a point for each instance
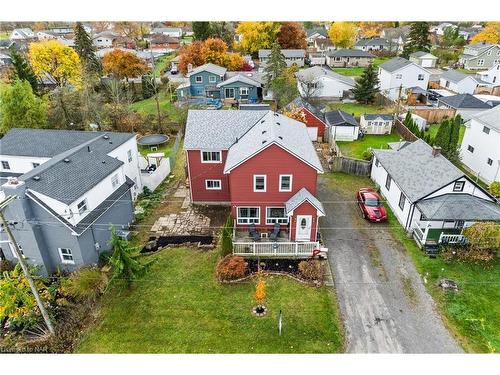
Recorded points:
(303, 229)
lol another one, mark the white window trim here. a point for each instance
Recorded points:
(85, 203)
(65, 261)
(244, 90)
(275, 218)
(291, 181)
(113, 178)
(212, 79)
(461, 183)
(255, 176)
(211, 161)
(213, 188)
(247, 218)
(198, 81)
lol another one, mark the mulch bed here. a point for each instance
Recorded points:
(290, 266)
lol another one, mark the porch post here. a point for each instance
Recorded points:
(296, 248)
(253, 247)
(426, 232)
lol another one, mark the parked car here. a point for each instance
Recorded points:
(370, 204)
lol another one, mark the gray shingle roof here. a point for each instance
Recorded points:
(385, 117)
(217, 130)
(319, 30)
(240, 78)
(454, 75)
(422, 53)
(300, 197)
(285, 52)
(459, 207)
(416, 171)
(395, 63)
(212, 68)
(253, 75)
(463, 101)
(340, 118)
(491, 117)
(344, 52)
(276, 129)
(315, 72)
(372, 42)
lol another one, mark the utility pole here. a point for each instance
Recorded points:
(24, 267)
(155, 87)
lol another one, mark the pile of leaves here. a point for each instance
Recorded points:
(312, 269)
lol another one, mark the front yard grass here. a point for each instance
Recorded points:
(358, 109)
(358, 71)
(473, 313)
(355, 149)
(179, 307)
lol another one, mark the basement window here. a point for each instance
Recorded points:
(66, 256)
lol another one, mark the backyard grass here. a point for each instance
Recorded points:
(359, 109)
(165, 148)
(358, 71)
(179, 307)
(355, 149)
(161, 64)
(433, 129)
(472, 313)
(148, 107)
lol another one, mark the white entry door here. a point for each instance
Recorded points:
(303, 230)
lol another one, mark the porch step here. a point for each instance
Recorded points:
(431, 250)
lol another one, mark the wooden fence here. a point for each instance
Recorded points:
(175, 149)
(356, 167)
(404, 132)
(434, 115)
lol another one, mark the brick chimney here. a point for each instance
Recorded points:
(436, 150)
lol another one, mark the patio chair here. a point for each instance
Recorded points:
(275, 232)
(252, 231)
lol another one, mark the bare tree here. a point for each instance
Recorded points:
(310, 87)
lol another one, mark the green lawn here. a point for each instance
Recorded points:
(148, 107)
(355, 149)
(472, 314)
(162, 62)
(357, 71)
(358, 109)
(165, 148)
(179, 307)
(433, 129)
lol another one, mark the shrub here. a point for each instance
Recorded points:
(104, 258)
(87, 284)
(495, 189)
(226, 237)
(311, 269)
(5, 265)
(367, 154)
(468, 254)
(231, 268)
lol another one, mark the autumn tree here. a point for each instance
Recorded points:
(256, 35)
(284, 86)
(483, 239)
(84, 46)
(418, 39)
(128, 29)
(367, 86)
(214, 51)
(275, 64)
(309, 85)
(372, 29)
(22, 69)
(20, 107)
(490, 34)
(123, 64)
(291, 35)
(54, 58)
(201, 30)
(100, 26)
(343, 34)
(222, 30)
(233, 61)
(495, 189)
(296, 113)
(190, 54)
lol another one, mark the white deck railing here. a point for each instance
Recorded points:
(452, 238)
(277, 249)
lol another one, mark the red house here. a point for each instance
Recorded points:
(265, 167)
(314, 118)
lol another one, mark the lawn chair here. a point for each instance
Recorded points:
(275, 233)
(252, 231)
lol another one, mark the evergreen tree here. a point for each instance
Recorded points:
(85, 49)
(418, 39)
(452, 152)
(148, 86)
(442, 138)
(222, 30)
(23, 70)
(201, 30)
(275, 64)
(366, 86)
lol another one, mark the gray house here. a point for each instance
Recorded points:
(292, 56)
(372, 44)
(480, 56)
(70, 186)
(344, 58)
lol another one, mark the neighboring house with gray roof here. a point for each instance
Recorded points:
(372, 44)
(396, 37)
(292, 56)
(322, 82)
(480, 56)
(464, 105)
(316, 33)
(376, 123)
(424, 59)
(264, 166)
(480, 149)
(344, 58)
(22, 34)
(458, 82)
(341, 126)
(70, 187)
(429, 196)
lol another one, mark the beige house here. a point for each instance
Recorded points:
(344, 58)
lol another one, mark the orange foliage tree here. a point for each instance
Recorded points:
(123, 64)
(214, 51)
(291, 35)
(296, 113)
(191, 54)
(260, 292)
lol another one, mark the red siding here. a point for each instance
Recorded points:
(199, 172)
(271, 162)
(313, 121)
(304, 209)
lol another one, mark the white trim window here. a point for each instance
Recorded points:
(399, 76)
(402, 200)
(129, 155)
(259, 183)
(198, 79)
(213, 185)
(243, 91)
(115, 181)
(248, 215)
(5, 164)
(420, 77)
(276, 215)
(458, 186)
(211, 157)
(66, 255)
(82, 206)
(212, 79)
(285, 182)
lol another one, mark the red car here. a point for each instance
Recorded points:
(369, 203)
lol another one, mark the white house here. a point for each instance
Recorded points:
(45, 35)
(341, 126)
(174, 32)
(430, 197)
(376, 123)
(105, 39)
(319, 82)
(292, 56)
(424, 59)
(22, 34)
(458, 82)
(316, 59)
(491, 76)
(480, 150)
(401, 73)
(439, 29)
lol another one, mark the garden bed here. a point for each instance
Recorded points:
(163, 241)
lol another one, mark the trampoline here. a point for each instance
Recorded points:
(153, 140)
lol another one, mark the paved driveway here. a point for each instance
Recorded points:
(384, 303)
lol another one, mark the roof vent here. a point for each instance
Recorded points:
(264, 141)
(110, 142)
(66, 160)
(36, 178)
(105, 136)
(277, 123)
(262, 121)
(88, 148)
(264, 131)
(280, 137)
(103, 162)
(276, 114)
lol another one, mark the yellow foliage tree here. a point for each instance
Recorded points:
(296, 113)
(490, 34)
(372, 29)
(343, 34)
(256, 35)
(234, 61)
(214, 51)
(260, 292)
(60, 61)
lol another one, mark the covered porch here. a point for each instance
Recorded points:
(428, 235)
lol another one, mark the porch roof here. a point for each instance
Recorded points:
(459, 207)
(300, 197)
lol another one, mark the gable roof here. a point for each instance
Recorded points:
(419, 54)
(320, 30)
(240, 78)
(386, 117)
(459, 207)
(395, 63)
(300, 197)
(273, 129)
(340, 118)
(317, 72)
(463, 101)
(416, 171)
(285, 52)
(491, 117)
(455, 76)
(302, 103)
(372, 42)
(345, 52)
(212, 68)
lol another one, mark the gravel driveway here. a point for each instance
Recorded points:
(385, 306)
